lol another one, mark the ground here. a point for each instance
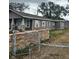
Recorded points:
(59, 37)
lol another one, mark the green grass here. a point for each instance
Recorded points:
(59, 36)
(55, 33)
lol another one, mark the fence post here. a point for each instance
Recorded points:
(30, 50)
(39, 41)
(14, 43)
(14, 40)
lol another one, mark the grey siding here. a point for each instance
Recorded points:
(61, 25)
(57, 25)
(52, 25)
(66, 24)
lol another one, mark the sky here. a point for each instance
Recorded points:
(33, 4)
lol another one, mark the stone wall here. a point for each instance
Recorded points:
(24, 39)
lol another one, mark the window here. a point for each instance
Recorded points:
(37, 23)
(43, 23)
(27, 23)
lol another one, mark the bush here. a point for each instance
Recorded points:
(20, 30)
(10, 32)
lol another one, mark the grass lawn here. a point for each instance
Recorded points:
(59, 36)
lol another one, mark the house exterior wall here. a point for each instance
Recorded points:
(52, 25)
(25, 24)
(61, 25)
(40, 24)
(46, 24)
(49, 24)
(66, 24)
(57, 25)
(33, 24)
(16, 19)
(36, 24)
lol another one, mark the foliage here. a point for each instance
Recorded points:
(10, 32)
(44, 41)
(52, 10)
(10, 53)
(18, 6)
(20, 30)
(22, 50)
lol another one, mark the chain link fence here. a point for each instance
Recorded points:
(39, 50)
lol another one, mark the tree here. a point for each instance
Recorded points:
(67, 9)
(52, 10)
(18, 6)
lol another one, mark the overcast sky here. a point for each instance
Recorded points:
(33, 4)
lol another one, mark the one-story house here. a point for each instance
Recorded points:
(23, 21)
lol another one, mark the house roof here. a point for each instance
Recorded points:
(26, 15)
